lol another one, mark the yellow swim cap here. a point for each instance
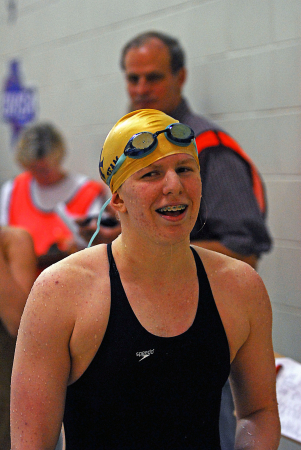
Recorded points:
(135, 122)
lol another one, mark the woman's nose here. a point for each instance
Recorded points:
(172, 183)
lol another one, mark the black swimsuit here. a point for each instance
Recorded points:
(145, 392)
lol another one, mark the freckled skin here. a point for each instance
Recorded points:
(153, 249)
(177, 177)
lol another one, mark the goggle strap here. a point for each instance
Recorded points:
(118, 164)
(98, 221)
(196, 149)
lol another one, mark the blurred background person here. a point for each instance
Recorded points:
(45, 199)
(232, 217)
(17, 274)
(233, 211)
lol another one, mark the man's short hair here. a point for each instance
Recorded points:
(177, 56)
(40, 141)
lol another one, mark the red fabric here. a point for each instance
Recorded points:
(47, 228)
(216, 138)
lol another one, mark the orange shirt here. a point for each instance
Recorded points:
(46, 227)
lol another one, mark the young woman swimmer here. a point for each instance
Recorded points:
(130, 343)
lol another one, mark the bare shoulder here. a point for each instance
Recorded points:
(75, 273)
(229, 274)
(15, 232)
(14, 237)
(17, 253)
(75, 285)
(240, 296)
(71, 301)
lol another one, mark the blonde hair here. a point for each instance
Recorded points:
(38, 142)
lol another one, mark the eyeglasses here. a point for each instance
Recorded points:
(144, 143)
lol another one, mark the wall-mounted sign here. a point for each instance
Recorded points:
(19, 103)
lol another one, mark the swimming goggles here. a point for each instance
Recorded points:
(141, 145)
(145, 142)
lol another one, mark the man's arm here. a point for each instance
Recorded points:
(231, 222)
(220, 248)
(253, 376)
(17, 274)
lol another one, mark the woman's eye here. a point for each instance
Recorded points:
(149, 174)
(184, 169)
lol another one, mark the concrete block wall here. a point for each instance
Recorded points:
(244, 63)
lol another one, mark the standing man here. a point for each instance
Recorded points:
(233, 209)
(45, 199)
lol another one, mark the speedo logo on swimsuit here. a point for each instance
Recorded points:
(145, 354)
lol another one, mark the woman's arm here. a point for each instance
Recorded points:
(17, 274)
(41, 367)
(253, 376)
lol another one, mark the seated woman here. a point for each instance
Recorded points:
(138, 337)
(45, 199)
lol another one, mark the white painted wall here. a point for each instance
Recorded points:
(244, 64)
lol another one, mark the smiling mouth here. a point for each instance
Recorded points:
(172, 210)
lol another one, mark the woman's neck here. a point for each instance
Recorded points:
(153, 259)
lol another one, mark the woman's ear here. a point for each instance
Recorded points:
(117, 202)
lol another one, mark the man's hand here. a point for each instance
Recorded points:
(216, 246)
(108, 231)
